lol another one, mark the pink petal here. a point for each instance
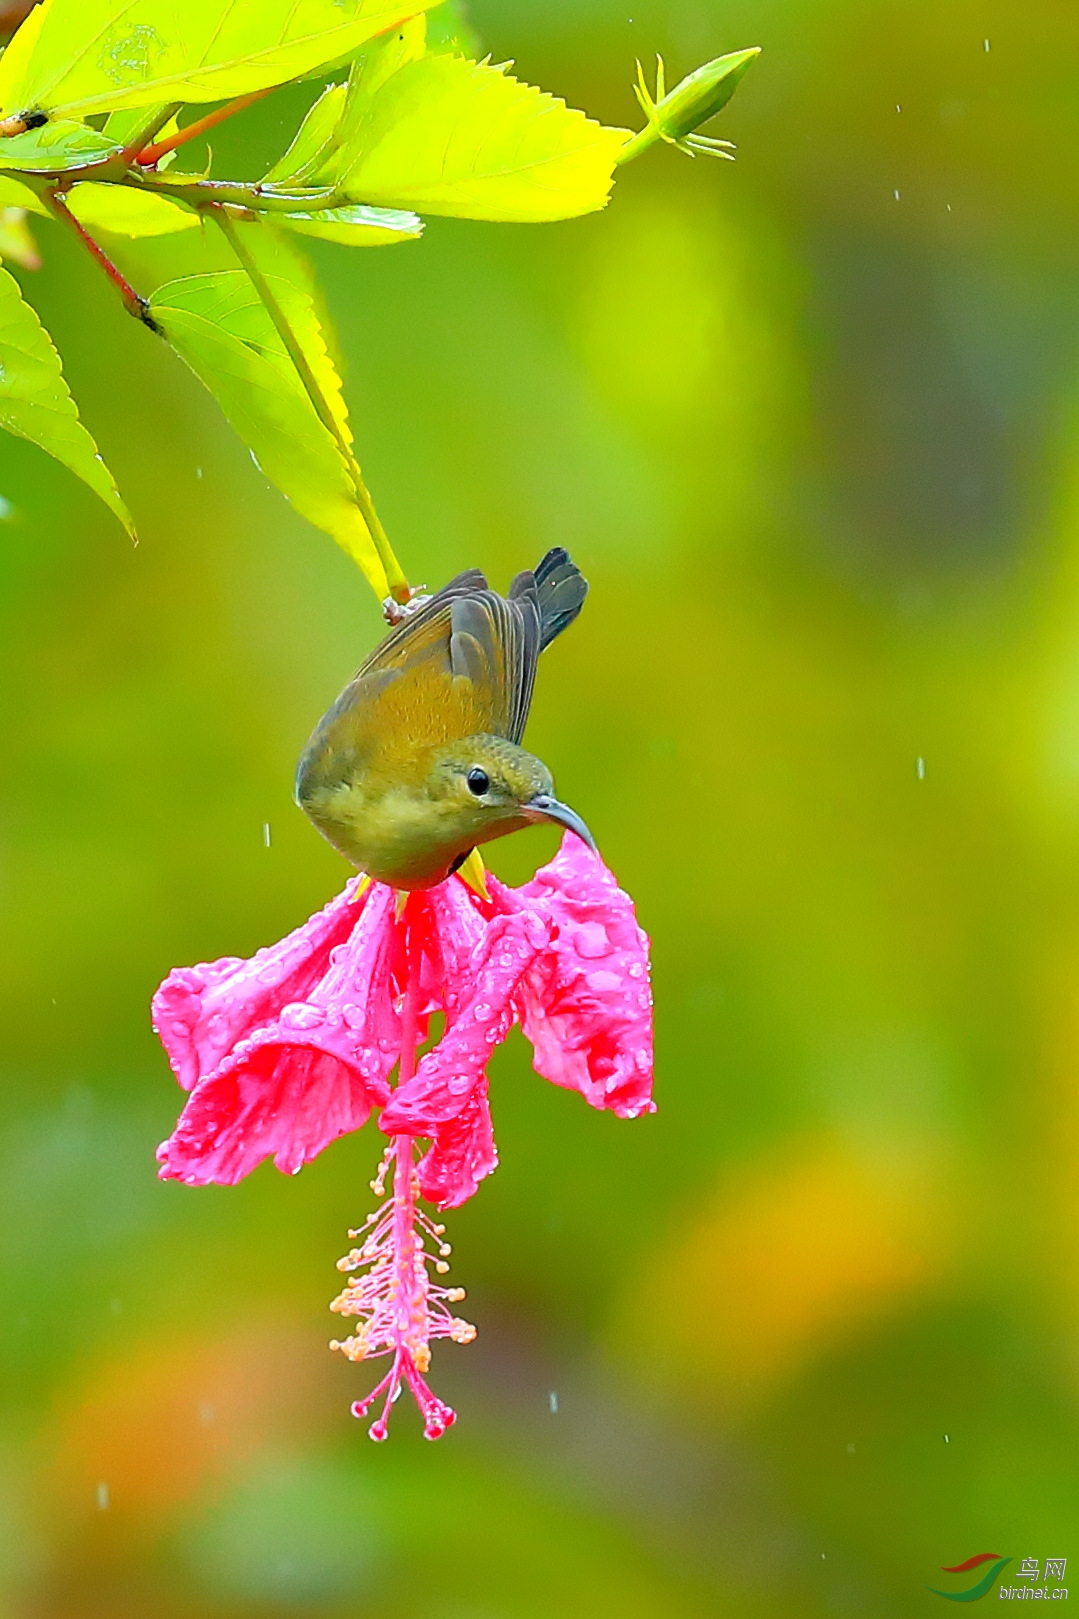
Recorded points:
(284, 1099)
(311, 1075)
(462, 1153)
(447, 1076)
(201, 1012)
(585, 1001)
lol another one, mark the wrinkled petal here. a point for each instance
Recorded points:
(290, 1101)
(307, 1077)
(585, 1001)
(447, 1076)
(462, 1153)
(201, 1012)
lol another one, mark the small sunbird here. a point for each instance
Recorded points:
(420, 760)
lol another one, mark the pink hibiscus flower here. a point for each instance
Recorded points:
(287, 1051)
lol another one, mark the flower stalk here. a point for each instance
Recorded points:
(399, 588)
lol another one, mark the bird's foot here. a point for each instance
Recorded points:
(395, 612)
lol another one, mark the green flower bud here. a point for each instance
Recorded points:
(674, 118)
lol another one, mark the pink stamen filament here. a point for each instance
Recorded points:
(400, 1307)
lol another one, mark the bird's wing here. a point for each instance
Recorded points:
(462, 664)
(494, 646)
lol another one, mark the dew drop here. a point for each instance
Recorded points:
(301, 1015)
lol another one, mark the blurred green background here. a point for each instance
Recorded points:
(809, 424)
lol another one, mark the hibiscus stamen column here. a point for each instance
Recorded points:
(399, 1307)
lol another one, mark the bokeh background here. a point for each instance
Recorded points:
(810, 424)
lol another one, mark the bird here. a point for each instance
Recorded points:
(419, 760)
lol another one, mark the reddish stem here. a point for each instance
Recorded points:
(134, 303)
(151, 154)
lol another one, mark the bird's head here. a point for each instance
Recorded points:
(489, 786)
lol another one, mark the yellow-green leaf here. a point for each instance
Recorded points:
(92, 56)
(13, 194)
(35, 402)
(57, 147)
(127, 212)
(356, 226)
(220, 327)
(124, 126)
(444, 135)
(383, 58)
(312, 140)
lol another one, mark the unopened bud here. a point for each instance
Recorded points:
(674, 118)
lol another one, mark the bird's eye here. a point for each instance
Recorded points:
(478, 781)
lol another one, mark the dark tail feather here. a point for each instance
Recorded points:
(560, 592)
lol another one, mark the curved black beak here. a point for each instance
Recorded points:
(551, 809)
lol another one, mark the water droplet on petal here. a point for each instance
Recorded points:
(301, 1015)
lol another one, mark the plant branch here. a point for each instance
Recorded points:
(398, 584)
(238, 193)
(134, 303)
(149, 155)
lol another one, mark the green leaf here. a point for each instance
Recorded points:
(13, 194)
(35, 402)
(382, 58)
(127, 212)
(221, 328)
(124, 126)
(356, 226)
(312, 141)
(447, 136)
(91, 56)
(283, 255)
(55, 148)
